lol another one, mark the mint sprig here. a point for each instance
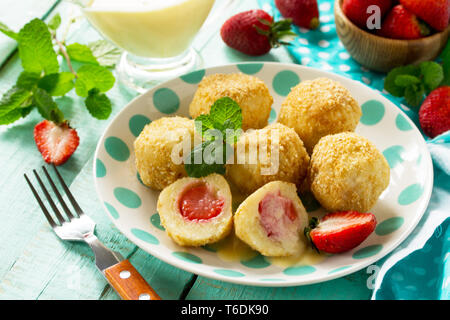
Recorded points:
(225, 121)
(44, 77)
(414, 82)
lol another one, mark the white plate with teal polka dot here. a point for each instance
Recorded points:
(132, 206)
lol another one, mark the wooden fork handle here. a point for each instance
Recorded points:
(128, 283)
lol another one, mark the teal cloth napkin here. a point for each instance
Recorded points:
(419, 267)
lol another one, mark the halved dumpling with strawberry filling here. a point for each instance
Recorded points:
(195, 211)
(272, 219)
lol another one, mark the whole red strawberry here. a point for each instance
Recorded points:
(400, 23)
(356, 10)
(434, 114)
(304, 13)
(434, 12)
(340, 231)
(55, 142)
(254, 32)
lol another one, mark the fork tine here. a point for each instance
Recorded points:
(68, 193)
(41, 204)
(58, 195)
(49, 198)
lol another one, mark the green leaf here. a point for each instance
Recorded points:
(57, 84)
(36, 48)
(47, 107)
(226, 109)
(414, 95)
(54, 22)
(445, 55)
(204, 169)
(28, 80)
(10, 117)
(81, 53)
(15, 98)
(92, 76)
(405, 80)
(98, 104)
(105, 52)
(8, 32)
(389, 83)
(433, 74)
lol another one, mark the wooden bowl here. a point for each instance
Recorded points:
(383, 54)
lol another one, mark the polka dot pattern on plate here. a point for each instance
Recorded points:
(137, 124)
(100, 169)
(166, 101)
(284, 81)
(127, 198)
(117, 149)
(373, 112)
(132, 206)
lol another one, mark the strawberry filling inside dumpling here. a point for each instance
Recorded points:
(277, 215)
(199, 202)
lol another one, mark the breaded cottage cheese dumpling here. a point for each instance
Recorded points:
(272, 220)
(285, 158)
(249, 92)
(347, 172)
(318, 108)
(153, 151)
(195, 211)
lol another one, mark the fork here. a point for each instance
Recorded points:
(119, 272)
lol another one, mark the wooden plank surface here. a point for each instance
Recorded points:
(36, 265)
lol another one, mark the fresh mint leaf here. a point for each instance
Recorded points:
(98, 104)
(105, 53)
(391, 86)
(414, 95)
(10, 117)
(36, 48)
(47, 106)
(81, 53)
(8, 32)
(433, 74)
(57, 84)
(54, 22)
(204, 169)
(92, 76)
(405, 80)
(445, 55)
(15, 98)
(226, 109)
(27, 80)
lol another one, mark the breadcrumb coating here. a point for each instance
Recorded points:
(200, 232)
(248, 227)
(317, 108)
(290, 165)
(153, 150)
(347, 172)
(249, 92)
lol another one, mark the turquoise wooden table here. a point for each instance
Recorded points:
(34, 264)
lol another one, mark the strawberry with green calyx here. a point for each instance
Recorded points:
(340, 231)
(402, 24)
(304, 13)
(255, 33)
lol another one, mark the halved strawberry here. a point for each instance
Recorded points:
(340, 231)
(55, 142)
